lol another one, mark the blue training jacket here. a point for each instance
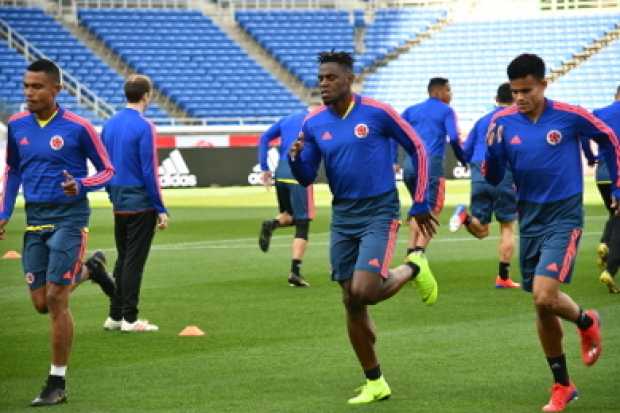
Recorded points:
(287, 129)
(130, 141)
(356, 151)
(545, 159)
(36, 157)
(611, 116)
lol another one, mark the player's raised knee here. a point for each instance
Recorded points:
(545, 299)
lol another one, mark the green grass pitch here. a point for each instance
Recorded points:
(272, 348)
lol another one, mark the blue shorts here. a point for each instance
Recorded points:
(53, 254)
(296, 200)
(363, 235)
(487, 199)
(436, 183)
(550, 255)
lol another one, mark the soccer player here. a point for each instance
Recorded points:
(351, 134)
(540, 140)
(608, 250)
(136, 200)
(47, 149)
(487, 199)
(433, 119)
(296, 203)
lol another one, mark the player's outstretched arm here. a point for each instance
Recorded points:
(451, 126)
(609, 146)
(3, 223)
(304, 158)
(494, 166)
(12, 178)
(269, 135)
(96, 152)
(149, 165)
(403, 133)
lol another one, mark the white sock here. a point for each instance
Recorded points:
(58, 370)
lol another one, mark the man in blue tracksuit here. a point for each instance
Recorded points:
(487, 199)
(351, 134)
(47, 150)
(540, 140)
(136, 199)
(434, 121)
(296, 202)
(608, 250)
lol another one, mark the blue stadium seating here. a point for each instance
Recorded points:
(191, 61)
(391, 29)
(12, 67)
(295, 37)
(474, 56)
(593, 83)
(60, 45)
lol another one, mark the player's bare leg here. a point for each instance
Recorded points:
(362, 336)
(298, 250)
(61, 322)
(283, 219)
(360, 327)
(551, 305)
(505, 251)
(61, 333)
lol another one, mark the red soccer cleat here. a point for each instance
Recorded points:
(591, 341)
(507, 283)
(560, 397)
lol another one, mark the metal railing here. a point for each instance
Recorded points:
(553, 5)
(217, 121)
(286, 4)
(23, 3)
(137, 4)
(443, 4)
(70, 83)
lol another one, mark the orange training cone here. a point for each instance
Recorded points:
(191, 331)
(11, 255)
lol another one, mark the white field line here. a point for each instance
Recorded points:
(245, 243)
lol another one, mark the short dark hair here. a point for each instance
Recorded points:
(436, 82)
(526, 64)
(504, 94)
(136, 87)
(46, 66)
(344, 59)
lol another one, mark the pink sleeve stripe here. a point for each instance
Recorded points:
(510, 110)
(422, 183)
(155, 160)
(104, 175)
(5, 183)
(315, 112)
(599, 124)
(18, 115)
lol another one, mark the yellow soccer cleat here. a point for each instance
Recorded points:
(372, 391)
(424, 282)
(602, 251)
(608, 280)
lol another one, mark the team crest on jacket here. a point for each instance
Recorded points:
(57, 142)
(554, 137)
(361, 130)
